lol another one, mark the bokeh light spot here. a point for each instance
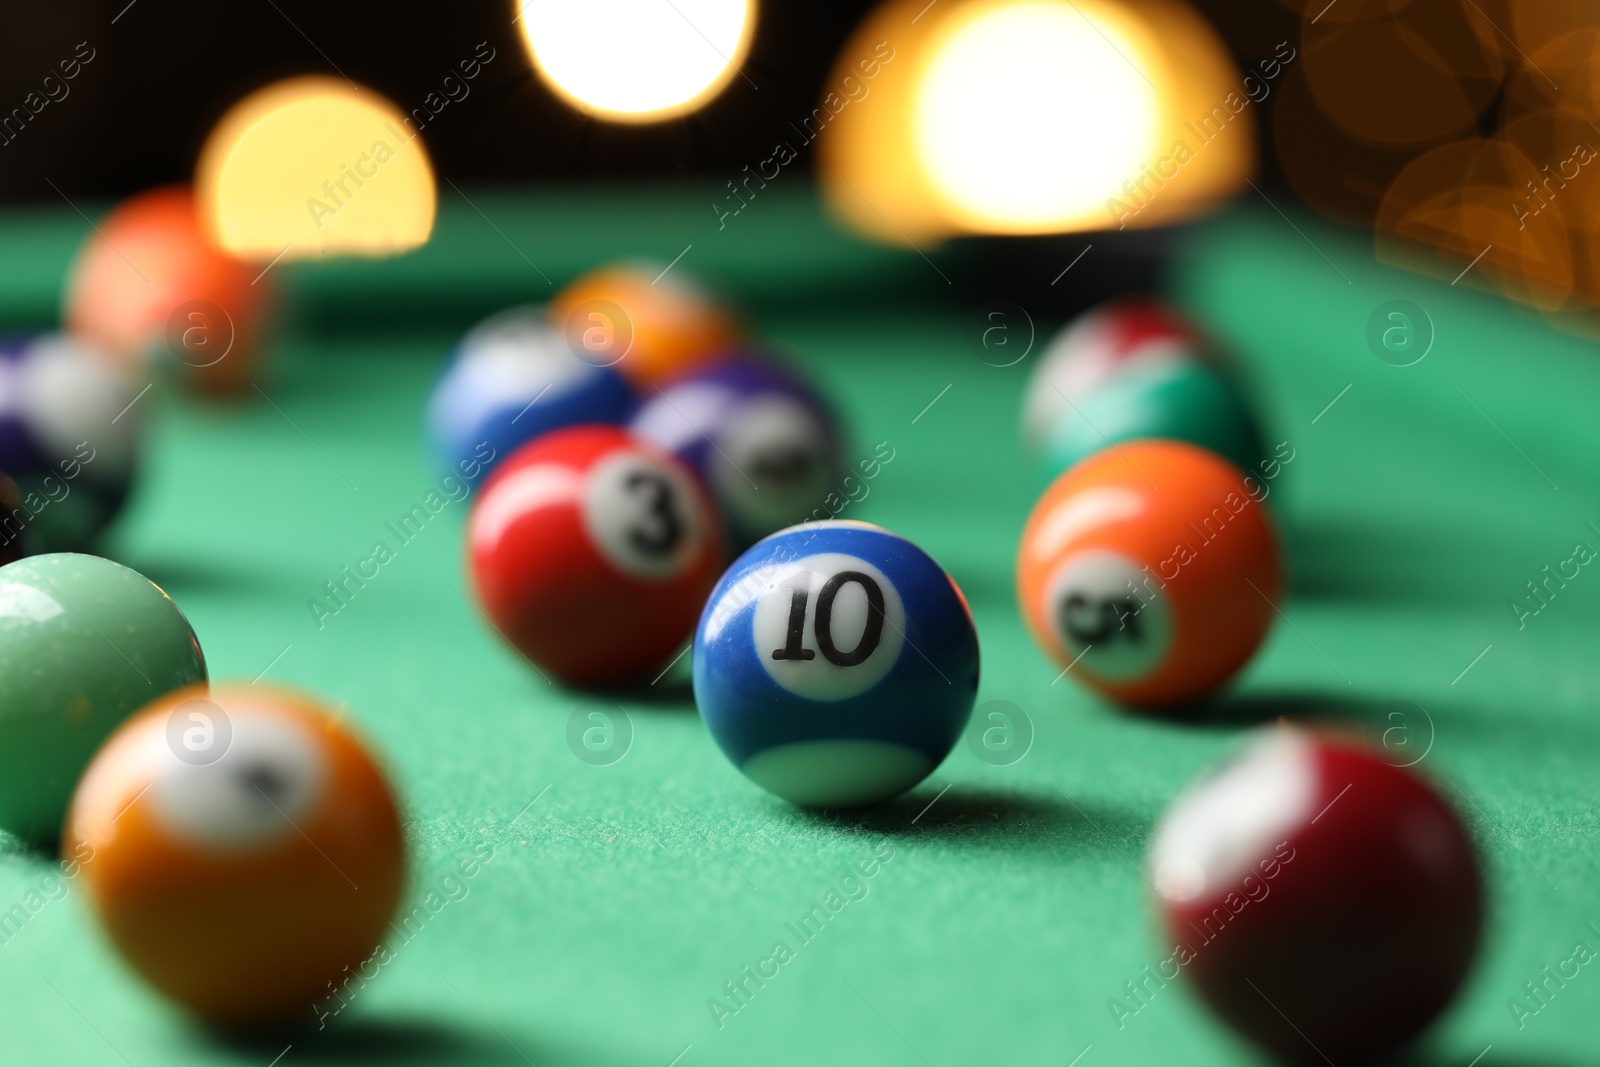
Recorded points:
(637, 60)
(315, 166)
(1032, 113)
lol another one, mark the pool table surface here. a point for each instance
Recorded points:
(609, 904)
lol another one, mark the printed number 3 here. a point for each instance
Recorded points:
(800, 590)
(662, 529)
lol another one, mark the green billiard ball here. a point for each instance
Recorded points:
(84, 643)
(1182, 401)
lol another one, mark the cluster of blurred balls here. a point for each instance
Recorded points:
(632, 444)
(698, 441)
(180, 806)
(150, 298)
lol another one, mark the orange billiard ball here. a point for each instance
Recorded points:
(650, 322)
(149, 284)
(1150, 570)
(241, 849)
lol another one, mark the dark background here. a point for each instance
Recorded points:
(165, 70)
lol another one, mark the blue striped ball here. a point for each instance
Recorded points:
(836, 664)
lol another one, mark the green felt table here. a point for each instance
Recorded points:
(618, 899)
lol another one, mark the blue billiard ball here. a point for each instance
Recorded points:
(836, 664)
(761, 440)
(511, 379)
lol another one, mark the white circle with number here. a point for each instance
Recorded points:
(775, 463)
(829, 626)
(267, 783)
(643, 515)
(1109, 615)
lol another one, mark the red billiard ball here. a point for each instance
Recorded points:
(593, 552)
(1326, 904)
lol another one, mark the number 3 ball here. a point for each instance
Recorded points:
(1150, 571)
(836, 664)
(241, 849)
(592, 553)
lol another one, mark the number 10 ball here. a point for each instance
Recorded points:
(592, 552)
(836, 664)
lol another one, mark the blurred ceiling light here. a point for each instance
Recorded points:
(1450, 214)
(1333, 171)
(637, 60)
(1564, 73)
(1031, 116)
(315, 166)
(1029, 112)
(865, 157)
(1407, 78)
(1537, 23)
(1381, 122)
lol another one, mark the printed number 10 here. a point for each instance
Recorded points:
(800, 590)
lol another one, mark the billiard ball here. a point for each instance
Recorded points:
(650, 322)
(592, 552)
(84, 643)
(512, 378)
(835, 664)
(241, 849)
(762, 441)
(1095, 347)
(152, 290)
(68, 435)
(1182, 400)
(1325, 904)
(1149, 571)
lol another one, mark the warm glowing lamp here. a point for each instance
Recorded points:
(315, 166)
(1473, 204)
(1208, 116)
(637, 60)
(1028, 112)
(1036, 116)
(865, 156)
